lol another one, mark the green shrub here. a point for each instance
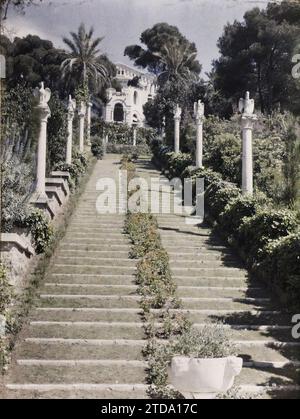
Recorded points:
(141, 149)
(218, 195)
(267, 225)
(40, 228)
(97, 147)
(5, 291)
(76, 169)
(178, 163)
(280, 269)
(241, 207)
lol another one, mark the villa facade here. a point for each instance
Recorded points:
(126, 106)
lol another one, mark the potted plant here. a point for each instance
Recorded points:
(204, 364)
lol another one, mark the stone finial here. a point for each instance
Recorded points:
(247, 105)
(43, 95)
(199, 110)
(177, 112)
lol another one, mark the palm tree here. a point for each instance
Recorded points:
(84, 62)
(177, 59)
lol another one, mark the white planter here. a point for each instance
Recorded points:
(204, 378)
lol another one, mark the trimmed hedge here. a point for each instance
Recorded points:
(266, 238)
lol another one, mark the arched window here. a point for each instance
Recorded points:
(135, 97)
(119, 113)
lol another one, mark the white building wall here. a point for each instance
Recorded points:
(133, 109)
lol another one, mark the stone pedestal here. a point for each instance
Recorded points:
(199, 117)
(246, 107)
(43, 95)
(81, 114)
(177, 119)
(134, 136)
(89, 122)
(71, 114)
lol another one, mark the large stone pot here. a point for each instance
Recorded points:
(204, 378)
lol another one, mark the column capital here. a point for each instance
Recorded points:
(45, 113)
(71, 108)
(82, 110)
(248, 121)
(177, 113)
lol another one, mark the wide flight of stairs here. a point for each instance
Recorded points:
(84, 339)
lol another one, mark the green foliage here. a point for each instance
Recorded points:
(122, 134)
(256, 56)
(141, 149)
(5, 291)
(57, 132)
(161, 41)
(40, 228)
(281, 269)
(224, 156)
(266, 225)
(97, 147)
(16, 181)
(76, 169)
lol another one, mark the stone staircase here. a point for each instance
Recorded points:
(84, 339)
(214, 286)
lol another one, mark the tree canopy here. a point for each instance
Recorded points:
(256, 55)
(166, 51)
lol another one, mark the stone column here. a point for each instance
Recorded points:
(71, 114)
(89, 121)
(81, 114)
(199, 117)
(163, 130)
(43, 95)
(134, 136)
(177, 118)
(246, 107)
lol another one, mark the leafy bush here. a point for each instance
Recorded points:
(122, 134)
(97, 147)
(141, 149)
(280, 269)
(16, 185)
(267, 225)
(76, 169)
(218, 195)
(5, 291)
(40, 228)
(224, 156)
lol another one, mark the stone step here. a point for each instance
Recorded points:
(94, 261)
(97, 241)
(221, 292)
(261, 355)
(201, 256)
(209, 272)
(212, 281)
(81, 289)
(225, 304)
(93, 270)
(101, 254)
(93, 247)
(201, 262)
(257, 332)
(77, 391)
(86, 315)
(88, 301)
(191, 247)
(80, 349)
(267, 377)
(86, 330)
(95, 235)
(83, 372)
(91, 279)
(255, 317)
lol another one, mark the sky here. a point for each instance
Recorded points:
(122, 21)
